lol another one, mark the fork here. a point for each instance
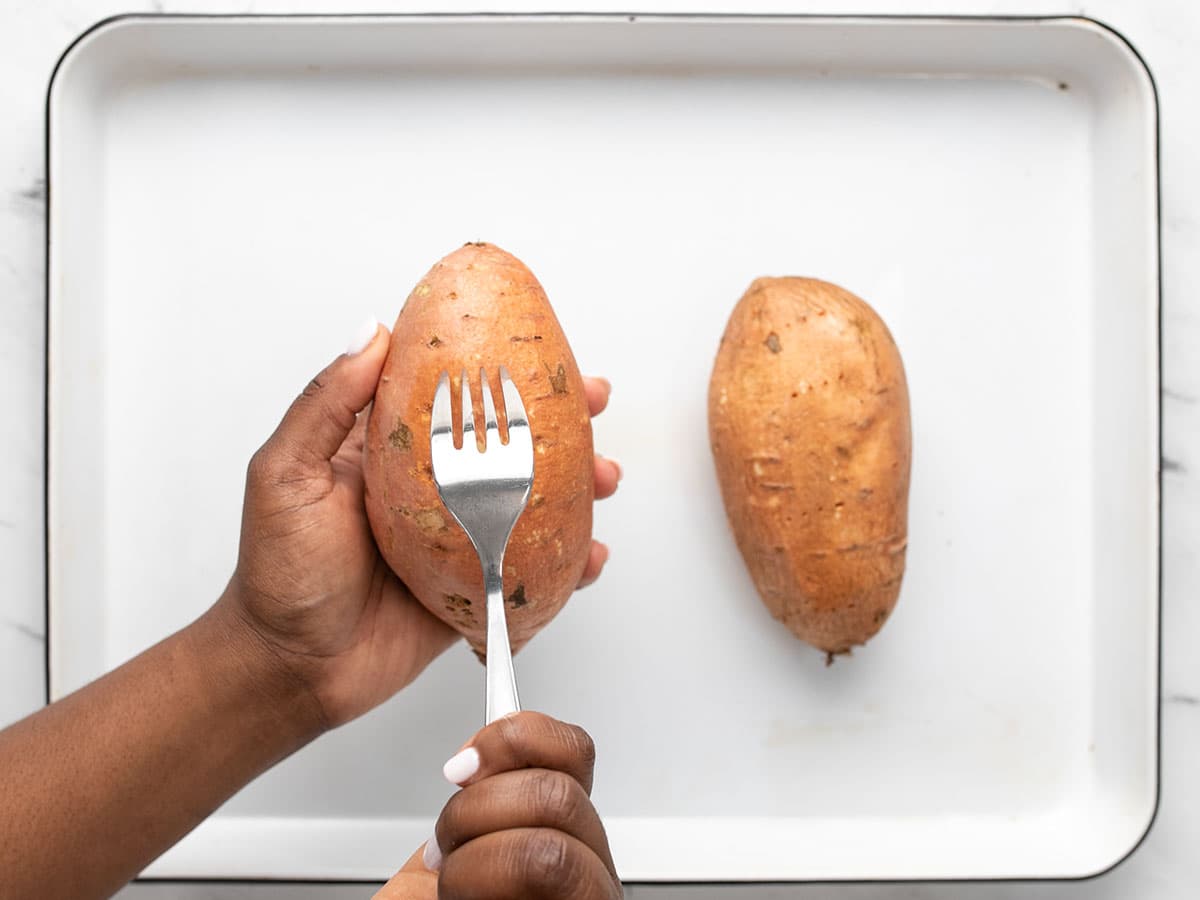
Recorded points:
(486, 493)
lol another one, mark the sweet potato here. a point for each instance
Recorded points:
(480, 306)
(809, 423)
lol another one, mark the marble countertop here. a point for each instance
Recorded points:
(34, 32)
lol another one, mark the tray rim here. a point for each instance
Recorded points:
(1106, 29)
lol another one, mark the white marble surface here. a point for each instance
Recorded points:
(34, 32)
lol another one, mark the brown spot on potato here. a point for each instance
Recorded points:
(457, 602)
(401, 436)
(772, 342)
(558, 379)
(430, 520)
(435, 341)
(517, 598)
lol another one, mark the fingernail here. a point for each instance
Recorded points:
(607, 384)
(461, 766)
(363, 336)
(604, 547)
(616, 465)
(432, 857)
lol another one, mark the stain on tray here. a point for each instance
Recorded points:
(35, 192)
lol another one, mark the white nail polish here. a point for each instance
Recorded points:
(432, 857)
(461, 766)
(362, 336)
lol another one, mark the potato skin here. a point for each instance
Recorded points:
(808, 419)
(481, 306)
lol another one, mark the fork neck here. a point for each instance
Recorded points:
(493, 578)
(501, 696)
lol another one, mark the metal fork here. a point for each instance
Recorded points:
(486, 493)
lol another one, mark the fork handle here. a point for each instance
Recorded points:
(501, 680)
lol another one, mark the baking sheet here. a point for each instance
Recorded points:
(228, 193)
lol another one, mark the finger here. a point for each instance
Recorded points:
(597, 391)
(321, 418)
(354, 441)
(597, 557)
(527, 798)
(351, 451)
(607, 472)
(533, 863)
(525, 740)
(412, 882)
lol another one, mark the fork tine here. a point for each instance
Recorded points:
(441, 422)
(468, 414)
(491, 430)
(513, 407)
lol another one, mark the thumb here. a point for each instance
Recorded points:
(319, 420)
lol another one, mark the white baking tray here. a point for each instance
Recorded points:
(230, 196)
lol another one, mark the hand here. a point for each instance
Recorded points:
(522, 826)
(310, 583)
